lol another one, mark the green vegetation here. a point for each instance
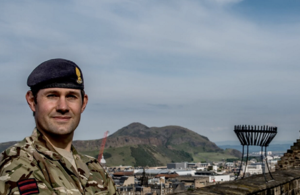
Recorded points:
(231, 159)
(143, 157)
(184, 155)
(174, 155)
(211, 156)
(120, 156)
(107, 155)
(114, 156)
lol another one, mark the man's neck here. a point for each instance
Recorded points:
(59, 141)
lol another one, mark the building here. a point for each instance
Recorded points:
(230, 164)
(212, 176)
(125, 181)
(185, 172)
(182, 165)
(255, 168)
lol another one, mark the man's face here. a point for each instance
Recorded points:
(58, 110)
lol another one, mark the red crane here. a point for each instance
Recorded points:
(102, 146)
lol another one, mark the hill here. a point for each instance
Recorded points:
(139, 145)
(5, 145)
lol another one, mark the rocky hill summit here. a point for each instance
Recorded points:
(139, 134)
(169, 136)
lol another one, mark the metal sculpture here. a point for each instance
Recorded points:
(255, 136)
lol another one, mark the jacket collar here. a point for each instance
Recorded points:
(43, 146)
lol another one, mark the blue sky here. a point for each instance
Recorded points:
(205, 65)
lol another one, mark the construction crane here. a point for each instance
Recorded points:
(102, 146)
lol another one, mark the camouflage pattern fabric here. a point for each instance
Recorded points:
(35, 159)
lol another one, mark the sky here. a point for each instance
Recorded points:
(205, 65)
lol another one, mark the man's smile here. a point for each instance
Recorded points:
(62, 118)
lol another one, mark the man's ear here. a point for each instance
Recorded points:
(30, 100)
(84, 103)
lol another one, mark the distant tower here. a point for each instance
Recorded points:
(103, 161)
(144, 179)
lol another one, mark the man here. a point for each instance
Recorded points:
(46, 162)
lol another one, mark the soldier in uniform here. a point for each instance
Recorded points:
(46, 162)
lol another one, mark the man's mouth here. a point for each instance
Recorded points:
(62, 118)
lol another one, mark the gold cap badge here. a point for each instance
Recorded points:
(79, 80)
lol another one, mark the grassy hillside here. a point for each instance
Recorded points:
(145, 155)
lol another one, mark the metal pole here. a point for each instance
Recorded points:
(246, 160)
(240, 164)
(268, 163)
(262, 163)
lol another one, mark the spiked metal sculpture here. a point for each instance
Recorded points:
(249, 135)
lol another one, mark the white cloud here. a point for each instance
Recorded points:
(192, 63)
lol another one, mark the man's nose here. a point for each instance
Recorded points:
(62, 105)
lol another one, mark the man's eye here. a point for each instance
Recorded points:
(51, 95)
(72, 96)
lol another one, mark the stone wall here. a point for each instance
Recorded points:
(285, 182)
(291, 158)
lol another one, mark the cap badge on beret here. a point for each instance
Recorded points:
(79, 80)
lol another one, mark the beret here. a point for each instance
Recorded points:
(56, 73)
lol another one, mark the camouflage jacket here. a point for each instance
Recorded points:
(32, 166)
